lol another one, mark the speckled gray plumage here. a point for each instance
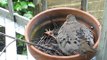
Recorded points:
(71, 34)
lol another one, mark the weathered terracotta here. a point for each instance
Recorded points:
(59, 12)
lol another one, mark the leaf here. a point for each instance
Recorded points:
(24, 5)
(3, 3)
(30, 4)
(24, 52)
(19, 36)
(17, 7)
(28, 14)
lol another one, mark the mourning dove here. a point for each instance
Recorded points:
(71, 36)
(85, 48)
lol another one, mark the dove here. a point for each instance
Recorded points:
(84, 47)
(74, 36)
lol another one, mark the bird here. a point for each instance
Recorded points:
(85, 48)
(71, 36)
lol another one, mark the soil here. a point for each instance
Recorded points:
(46, 43)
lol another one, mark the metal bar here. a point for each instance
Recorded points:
(10, 7)
(10, 30)
(24, 41)
(20, 23)
(37, 6)
(102, 48)
(20, 19)
(20, 57)
(40, 5)
(84, 5)
(44, 5)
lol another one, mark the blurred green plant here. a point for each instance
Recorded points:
(3, 3)
(21, 47)
(22, 7)
(25, 8)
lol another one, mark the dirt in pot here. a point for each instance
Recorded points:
(65, 39)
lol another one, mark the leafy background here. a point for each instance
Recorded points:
(24, 8)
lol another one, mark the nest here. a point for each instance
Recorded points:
(48, 43)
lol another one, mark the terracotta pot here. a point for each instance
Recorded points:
(44, 16)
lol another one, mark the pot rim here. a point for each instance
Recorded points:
(66, 8)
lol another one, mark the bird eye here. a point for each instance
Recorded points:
(63, 38)
(75, 42)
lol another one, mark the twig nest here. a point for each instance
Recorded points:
(72, 38)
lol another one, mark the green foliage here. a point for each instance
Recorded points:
(30, 4)
(28, 14)
(21, 47)
(3, 3)
(22, 7)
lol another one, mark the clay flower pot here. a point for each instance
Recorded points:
(44, 16)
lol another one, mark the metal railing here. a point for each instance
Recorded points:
(15, 23)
